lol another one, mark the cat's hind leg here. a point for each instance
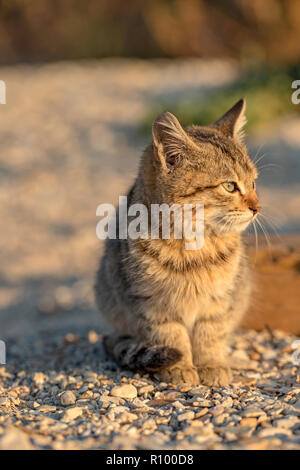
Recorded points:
(134, 354)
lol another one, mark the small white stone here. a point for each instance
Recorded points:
(72, 413)
(217, 410)
(227, 403)
(39, 378)
(187, 416)
(124, 391)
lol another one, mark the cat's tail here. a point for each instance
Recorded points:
(130, 353)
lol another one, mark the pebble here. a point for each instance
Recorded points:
(146, 389)
(227, 403)
(72, 413)
(217, 410)
(204, 403)
(127, 391)
(197, 391)
(178, 404)
(187, 416)
(47, 408)
(252, 422)
(219, 419)
(39, 378)
(68, 398)
(252, 412)
(202, 412)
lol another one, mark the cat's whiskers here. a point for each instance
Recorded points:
(275, 222)
(269, 165)
(254, 159)
(271, 224)
(256, 239)
(253, 224)
(264, 230)
(226, 223)
(260, 158)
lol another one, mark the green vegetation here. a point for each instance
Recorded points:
(267, 91)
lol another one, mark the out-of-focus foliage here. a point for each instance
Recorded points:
(267, 91)
(260, 30)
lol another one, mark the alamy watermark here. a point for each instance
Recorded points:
(2, 352)
(296, 95)
(296, 353)
(164, 221)
(2, 92)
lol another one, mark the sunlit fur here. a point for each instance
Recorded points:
(160, 294)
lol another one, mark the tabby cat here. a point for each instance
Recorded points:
(172, 309)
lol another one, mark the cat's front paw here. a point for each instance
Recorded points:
(179, 374)
(214, 376)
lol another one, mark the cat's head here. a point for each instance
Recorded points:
(207, 165)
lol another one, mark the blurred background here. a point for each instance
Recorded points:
(84, 81)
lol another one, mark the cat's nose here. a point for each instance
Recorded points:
(254, 208)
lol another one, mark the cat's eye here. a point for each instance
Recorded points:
(230, 186)
(254, 185)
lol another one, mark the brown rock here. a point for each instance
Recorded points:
(248, 422)
(202, 412)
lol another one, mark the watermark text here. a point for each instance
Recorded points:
(2, 352)
(160, 221)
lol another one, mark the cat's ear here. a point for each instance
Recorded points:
(232, 123)
(170, 142)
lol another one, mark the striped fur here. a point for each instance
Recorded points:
(173, 309)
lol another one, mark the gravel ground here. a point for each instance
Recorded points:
(61, 393)
(67, 144)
